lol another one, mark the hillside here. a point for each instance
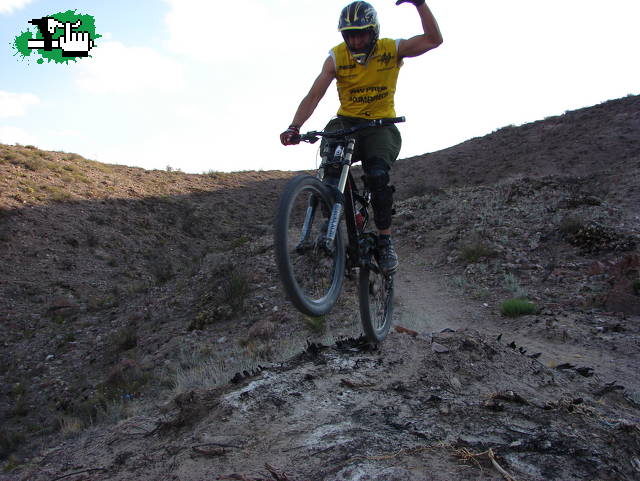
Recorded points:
(594, 143)
(145, 335)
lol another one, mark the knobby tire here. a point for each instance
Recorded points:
(375, 292)
(312, 278)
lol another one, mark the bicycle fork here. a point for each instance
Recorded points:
(308, 220)
(344, 155)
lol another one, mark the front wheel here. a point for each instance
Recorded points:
(376, 303)
(311, 268)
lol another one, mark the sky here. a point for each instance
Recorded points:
(208, 85)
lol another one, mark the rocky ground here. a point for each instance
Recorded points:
(145, 336)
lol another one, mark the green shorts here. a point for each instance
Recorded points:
(375, 143)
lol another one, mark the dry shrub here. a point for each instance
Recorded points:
(420, 189)
(70, 426)
(125, 381)
(9, 442)
(571, 225)
(262, 329)
(594, 238)
(235, 287)
(475, 251)
(224, 297)
(316, 325)
(624, 295)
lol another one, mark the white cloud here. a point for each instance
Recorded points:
(15, 105)
(114, 67)
(252, 31)
(64, 133)
(15, 135)
(207, 30)
(8, 6)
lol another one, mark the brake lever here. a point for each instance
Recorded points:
(309, 137)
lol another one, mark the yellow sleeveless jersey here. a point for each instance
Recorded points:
(367, 91)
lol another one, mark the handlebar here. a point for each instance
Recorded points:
(314, 135)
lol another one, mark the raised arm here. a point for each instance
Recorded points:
(428, 40)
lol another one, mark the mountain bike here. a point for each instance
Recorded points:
(315, 250)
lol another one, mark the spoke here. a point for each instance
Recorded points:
(313, 268)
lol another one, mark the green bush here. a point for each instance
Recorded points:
(14, 158)
(517, 307)
(34, 163)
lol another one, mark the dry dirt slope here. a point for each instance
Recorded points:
(601, 140)
(121, 320)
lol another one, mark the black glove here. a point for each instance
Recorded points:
(291, 136)
(417, 3)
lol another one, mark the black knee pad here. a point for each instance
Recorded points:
(382, 202)
(381, 197)
(377, 179)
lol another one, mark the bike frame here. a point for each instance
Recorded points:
(345, 192)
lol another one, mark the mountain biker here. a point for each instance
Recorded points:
(366, 68)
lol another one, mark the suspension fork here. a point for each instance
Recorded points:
(342, 154)
(336, 212)
(350, 219)
(308, 220)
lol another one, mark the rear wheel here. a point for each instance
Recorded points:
(311, 270)
(376, 303)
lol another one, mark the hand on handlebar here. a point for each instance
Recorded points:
(291, 136)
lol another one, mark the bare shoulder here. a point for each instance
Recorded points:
(329, 67)
(327, 75)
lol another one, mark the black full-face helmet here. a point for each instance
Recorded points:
(359, 16)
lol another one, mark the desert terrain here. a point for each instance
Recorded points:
(144, 334)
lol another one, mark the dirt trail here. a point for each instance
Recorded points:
(400, 412)
(427, 303)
